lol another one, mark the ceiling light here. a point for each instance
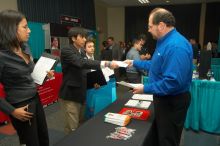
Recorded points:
(144, 1)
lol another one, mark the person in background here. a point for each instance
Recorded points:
(116, 54)
(106, 53)
(170, 76)
(144, 53)
(55, 50)
(133, 75)
(90, 49)
(54, 43)
(75, 65)
(123, 48)
(195, 50)
(22, 102)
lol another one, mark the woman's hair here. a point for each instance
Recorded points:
(9, 20)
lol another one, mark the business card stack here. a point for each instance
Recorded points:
(117, 119)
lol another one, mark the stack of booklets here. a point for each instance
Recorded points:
(138, 104)
(117, 119)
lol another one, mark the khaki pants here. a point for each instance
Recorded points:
(73, 113)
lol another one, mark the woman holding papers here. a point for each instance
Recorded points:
(16, 65)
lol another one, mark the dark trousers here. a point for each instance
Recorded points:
(170, 114)
(33, 132)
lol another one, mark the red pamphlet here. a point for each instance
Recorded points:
(136, 113)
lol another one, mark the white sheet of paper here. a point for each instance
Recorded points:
(138, 103)
(130, 85)
(144, 104)
(43, 65)
(107, 72)
(121, 64)
(143, 97)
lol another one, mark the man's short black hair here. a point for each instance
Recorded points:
(75, 31)
(142, 37)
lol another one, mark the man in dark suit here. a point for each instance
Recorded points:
(74, 66)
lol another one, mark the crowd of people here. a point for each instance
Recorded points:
(169, 76)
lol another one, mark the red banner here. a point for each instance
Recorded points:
(3, 117)
(49, 91)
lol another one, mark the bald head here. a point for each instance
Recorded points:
(162, 15)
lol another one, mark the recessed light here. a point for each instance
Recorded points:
(144, 1)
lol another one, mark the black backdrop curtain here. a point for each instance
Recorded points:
(187, 21)
(49, 11)
(212, 22)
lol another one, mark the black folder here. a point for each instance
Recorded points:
(95, 77)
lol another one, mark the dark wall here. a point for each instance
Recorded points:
(187, 21)
(212, 25)
(49, 11)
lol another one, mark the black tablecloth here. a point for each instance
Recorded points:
(94, 131)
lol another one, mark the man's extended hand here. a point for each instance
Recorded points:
(129, 62)
(138, 90)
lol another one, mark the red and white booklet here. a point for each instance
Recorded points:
(135, 113)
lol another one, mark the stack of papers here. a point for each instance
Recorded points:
(138, 104)
(117, 119)
(121, 64)
(148, 97)
(130, 85)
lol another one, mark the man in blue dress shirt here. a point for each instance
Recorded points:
(170, 75)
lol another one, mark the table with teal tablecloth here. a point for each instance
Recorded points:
(216, 71)
(215, 67)
(203, 113)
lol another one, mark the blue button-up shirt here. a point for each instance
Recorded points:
(170, 70)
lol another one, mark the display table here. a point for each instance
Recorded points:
(216, 71)
(215, 61)
(203, 112)
(95, 130)
(215, 67)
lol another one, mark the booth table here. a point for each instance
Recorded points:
(216, 71)
(203, 112)
(94, 131)
(215, 67)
